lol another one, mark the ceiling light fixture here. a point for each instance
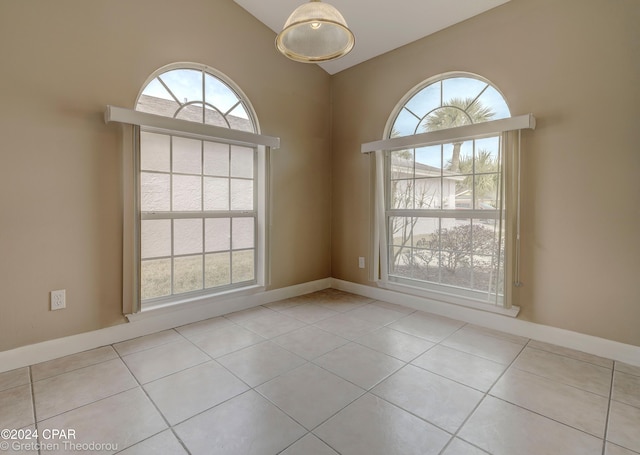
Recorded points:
(315, 32)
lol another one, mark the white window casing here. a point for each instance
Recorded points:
(508, 129)
(161, 124)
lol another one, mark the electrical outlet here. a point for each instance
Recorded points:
(361, 262)
(58, 299)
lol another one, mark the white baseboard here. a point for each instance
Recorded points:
(164, 319)
(586, 343)
(146, 323)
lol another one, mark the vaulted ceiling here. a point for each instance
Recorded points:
(379, 27)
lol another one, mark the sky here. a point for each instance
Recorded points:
(410, 119)
(186, 84)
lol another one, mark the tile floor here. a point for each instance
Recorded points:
(326, 373)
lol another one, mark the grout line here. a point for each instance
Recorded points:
(146, 348)
(567, 356)
(485, 394)
(559, 381)
(542, 415)
(606, 421)
(169, 426)
(33, 408)
(90, 364)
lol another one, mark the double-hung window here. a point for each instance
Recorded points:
(446, 196)
(198, 215)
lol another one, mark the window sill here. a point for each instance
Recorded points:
(449, 298)
(192, 303)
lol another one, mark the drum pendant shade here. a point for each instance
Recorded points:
(315, 32)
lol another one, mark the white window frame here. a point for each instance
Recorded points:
(167, 125)
(457, 134)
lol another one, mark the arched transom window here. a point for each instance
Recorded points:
(447, 103)
(196, 95)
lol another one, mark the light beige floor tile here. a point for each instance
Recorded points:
(376, 314)
(575, 407)
(14, 378)
(393, 306)
(286, 303)
(272, 325)
(245, 425)
(164, 360)
(536, 407)
(501, 428)
(396, 344)
(372, 426)
(189, 392)
(72, 362)
(578, 355)
(248, 314)
(120, 420)
(16, 407)
(627, 368)
(309, 445)
(626, 388)
(624, 426)
(309, 313)
(346, 295)
(360, 365)
(347, 326)
(260, 363)
(67, 391)
(341, 301)
(164, 443)
(146, 342)
(203, 326)
(477, 342)
(310, 394)
(612, 449)
(468, 369)
(310, 342)
(312, 297)
(433, 398)
(460, 447)
(576, 373)
(497, 334)
(224, 340)
(428, 326)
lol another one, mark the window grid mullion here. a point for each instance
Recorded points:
(204, 232)
(172, 271)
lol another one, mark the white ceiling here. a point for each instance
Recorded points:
(379, 26)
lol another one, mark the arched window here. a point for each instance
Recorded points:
(441, 213)
(447, 102)
(199, 201)
(199, 95)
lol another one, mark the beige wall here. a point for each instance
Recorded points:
(574, 64)
(63, 61)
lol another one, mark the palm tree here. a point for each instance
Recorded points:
(486, 168)
(457, 112)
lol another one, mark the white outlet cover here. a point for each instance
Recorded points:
(58, 299)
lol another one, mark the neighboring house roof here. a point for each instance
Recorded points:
(192, 113)
(402, 167)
